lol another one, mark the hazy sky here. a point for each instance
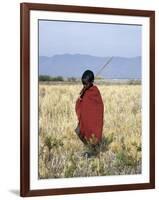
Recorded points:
(89, 38)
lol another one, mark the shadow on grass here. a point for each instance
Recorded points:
(106, 141)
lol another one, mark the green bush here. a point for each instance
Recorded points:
(50, 78)
(44, 78)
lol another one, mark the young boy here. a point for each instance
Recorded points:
(89, 109)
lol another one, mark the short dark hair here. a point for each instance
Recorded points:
(87, 77)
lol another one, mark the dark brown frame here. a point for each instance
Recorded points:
(25, 9)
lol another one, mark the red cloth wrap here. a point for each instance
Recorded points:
(89, 111)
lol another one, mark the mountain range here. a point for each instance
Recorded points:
(73, 65)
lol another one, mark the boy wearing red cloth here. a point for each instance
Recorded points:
(89, 109)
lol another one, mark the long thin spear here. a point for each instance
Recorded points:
(104, 66)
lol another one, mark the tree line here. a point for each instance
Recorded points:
(99, 80)
(56, 78)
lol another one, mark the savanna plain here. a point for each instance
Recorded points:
(60, 150)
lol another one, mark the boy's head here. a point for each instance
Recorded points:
(87, 77)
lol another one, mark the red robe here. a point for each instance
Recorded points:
(90, 111)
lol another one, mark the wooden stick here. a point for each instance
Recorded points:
(104, 66)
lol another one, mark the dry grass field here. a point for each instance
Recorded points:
(60, 149)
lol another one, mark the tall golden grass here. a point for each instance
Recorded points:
(60, 150)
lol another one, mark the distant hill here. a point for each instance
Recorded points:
(73, 65)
